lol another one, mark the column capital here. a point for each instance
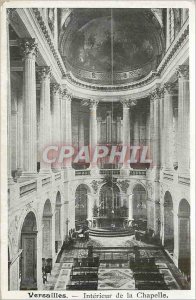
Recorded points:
(157, 93)
(66, 95)
(44, 72)
(169, 87)
(55, 88)
(91, 103)
(127, 103)
(28, 47)
(183, 72)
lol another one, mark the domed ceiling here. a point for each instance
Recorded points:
(115, 46)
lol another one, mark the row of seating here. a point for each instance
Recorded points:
(84, 273)
(146, 274)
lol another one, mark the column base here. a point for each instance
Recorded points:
(44, 172)
(25, 176)
(69, 172)
(94, 171)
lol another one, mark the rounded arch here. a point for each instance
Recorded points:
(168, 223)
(88, 188)
(138, 183)
(184, 237)
(47, 210)
(184, 208)
(109, 199)
(139, 202)
(81, 204)
(22, 219)
(28, 259)
(58, 198)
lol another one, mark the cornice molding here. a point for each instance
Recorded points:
(48, 37)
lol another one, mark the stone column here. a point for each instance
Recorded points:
(162, 129)
(130, 216)
(126, 133)
(151, 129)
(175, 140)
(90, 209)
(156, 98)
(9, 138)
(56, 119)
(20, 134)
(29, 51)
(45, 115)
(67, 127)
(168, 124)
(81, 130)
(183, 120)
(93, 130)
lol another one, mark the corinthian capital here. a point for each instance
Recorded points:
(127, 103)
(28, 47)
(169, 87)
(44, 72)
(157, 93)
(55, 88)
(91, 103)
(66, 95)
(183, 71)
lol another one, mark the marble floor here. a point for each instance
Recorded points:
(113, 275)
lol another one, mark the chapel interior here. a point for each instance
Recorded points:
(88, 77)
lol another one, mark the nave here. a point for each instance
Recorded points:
(115, 271)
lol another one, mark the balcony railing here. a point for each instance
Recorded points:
(28, 188)
(109, 172)
(184, 180)
(168, 176)
(57, 176)
(82, 172)
(46, 181)
(138, 172)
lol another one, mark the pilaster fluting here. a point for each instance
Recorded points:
(29, 51)
(9, 148)
(56, 114)
(20, 134)
(67, 124)
(45, 115)
(81, 131)
(183, 119)
(93, 129)
(130, 214)
(168, 125)
(155, 100)
(126, 130)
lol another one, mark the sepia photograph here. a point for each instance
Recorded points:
(97, 134)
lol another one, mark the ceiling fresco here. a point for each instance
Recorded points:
(123, 44)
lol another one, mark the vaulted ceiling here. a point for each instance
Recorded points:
(111, 46)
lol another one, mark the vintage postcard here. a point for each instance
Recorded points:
(97, 150)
